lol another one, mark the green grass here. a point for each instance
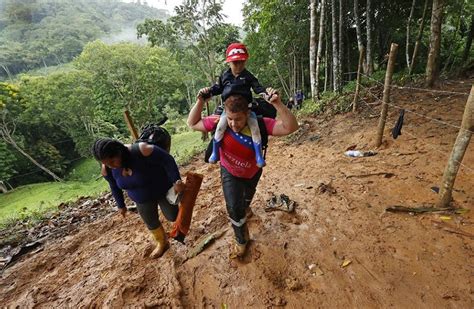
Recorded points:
(42, 197)
(84, 170)
(35, 200)
(185, 145)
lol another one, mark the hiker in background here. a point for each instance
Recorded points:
(237, 79)
(290, 104)
(299, 97)
(147, 173)
(239, 172)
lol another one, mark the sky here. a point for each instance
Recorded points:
(232, 8)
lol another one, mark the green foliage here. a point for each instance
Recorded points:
(277, 33)
(198, 36)
(84, 170)
(51, 32)
(141, 79)
(7, 162)
(186, 145)
(59, 115)
(318, 107)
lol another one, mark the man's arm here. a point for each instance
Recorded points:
(286, 122)
(195, 118)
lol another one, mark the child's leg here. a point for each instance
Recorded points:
(218, 136)
(256, 138)
(221, 127)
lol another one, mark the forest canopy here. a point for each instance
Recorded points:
(43, 33)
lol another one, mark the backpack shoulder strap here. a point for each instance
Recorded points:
(264, 134)
(136, 149)
(263, 130)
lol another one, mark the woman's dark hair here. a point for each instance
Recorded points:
(236, 103)
(105, 148)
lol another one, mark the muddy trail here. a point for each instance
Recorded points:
(339, 248)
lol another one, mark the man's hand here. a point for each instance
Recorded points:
(123, 211)
(204, 93)
(273, 96)
(179, 186)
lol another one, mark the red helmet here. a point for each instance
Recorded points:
(236, 52)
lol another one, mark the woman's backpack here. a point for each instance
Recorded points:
(155, 134)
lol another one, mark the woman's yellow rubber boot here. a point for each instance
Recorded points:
(162, 242)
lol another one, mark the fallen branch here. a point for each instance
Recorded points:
(452, 229)
(385, 174)
(210, 238)
(422, 209)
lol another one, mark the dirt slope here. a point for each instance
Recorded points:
(397, 260)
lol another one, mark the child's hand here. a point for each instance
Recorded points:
(204, 93)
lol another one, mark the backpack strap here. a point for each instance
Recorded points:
(264, 134)
(136, 149)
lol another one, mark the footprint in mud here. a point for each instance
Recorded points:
(290, 218)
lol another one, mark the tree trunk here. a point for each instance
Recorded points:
(55, 177)
(335, 53)
(322, 21)
(386, 93)
(467, 48)
(302, 74)
(312, 51)
(3, 187)
(7, 135)
(326, 63)
(432, 66)
(282, 81)
(369, 51)
(407, 47)
(340, 58)
(5, 68)
(418, 38)
(348, 56)
(360, 44)
(457, 154)
(359, 71)
(295, 68)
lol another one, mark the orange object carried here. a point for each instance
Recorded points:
(185, 213)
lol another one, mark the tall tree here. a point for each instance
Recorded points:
(312, 51)
(322, 30)
(335, 51)
(407, 45)
(360, 44)
(369, 50)
(418, 38)
(432, 66)
(340, 55)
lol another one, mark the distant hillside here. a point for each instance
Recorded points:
(43, 33)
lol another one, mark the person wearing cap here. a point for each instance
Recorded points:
(238, 170)
(236, 80)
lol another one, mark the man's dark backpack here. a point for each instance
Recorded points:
(155, 134)
(262, 109)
